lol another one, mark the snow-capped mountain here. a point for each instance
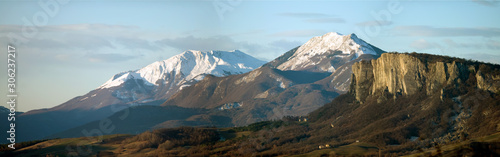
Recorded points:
(188, 66)
(162, 79)
(328, 52)
(331, 52)
(296, 83)
(150, 85)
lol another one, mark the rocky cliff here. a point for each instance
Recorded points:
(406, 74)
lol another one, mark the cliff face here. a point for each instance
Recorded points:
(406, 74)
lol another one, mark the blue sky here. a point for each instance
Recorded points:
(78, 45)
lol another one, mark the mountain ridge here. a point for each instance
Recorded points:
(261, 94)
(459, 117)
(150, 85)
(265, 93)
(177, 72)
(271, 92)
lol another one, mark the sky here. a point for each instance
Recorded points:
(66, 48)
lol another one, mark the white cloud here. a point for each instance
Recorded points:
(137, 43)
(203, 44)
(83, 44)
(83, 36)
(481, 44)
(109, 57)
(92, 28)
(446, 31)
(485, 57)
(493, 44)
(422, 44)
(223, 43)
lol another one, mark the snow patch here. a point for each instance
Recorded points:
(262, 95)
(280, 81)
(249, 78)
(83, 98)
(183, 86)
(331, 69)
(282, 85)
(230, 106)
(147, 100)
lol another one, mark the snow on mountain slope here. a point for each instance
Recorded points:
(160, 80)
(120, 78)
(320, 53)
(151, 85)
(190, 65)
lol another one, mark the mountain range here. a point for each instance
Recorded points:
(333, 95)
(151, 85)
(398, 104)
(216, 88)
(294, 84)
(276, 89)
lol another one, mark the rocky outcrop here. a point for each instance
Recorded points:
(488, 82)
(406, 74)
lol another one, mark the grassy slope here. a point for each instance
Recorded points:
(69, 146)
(116, 145)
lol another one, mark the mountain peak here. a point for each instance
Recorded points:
(120, 78)
(189, 65)
(337, 34)
(348, 44)
(316, 52)
(332, 34)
